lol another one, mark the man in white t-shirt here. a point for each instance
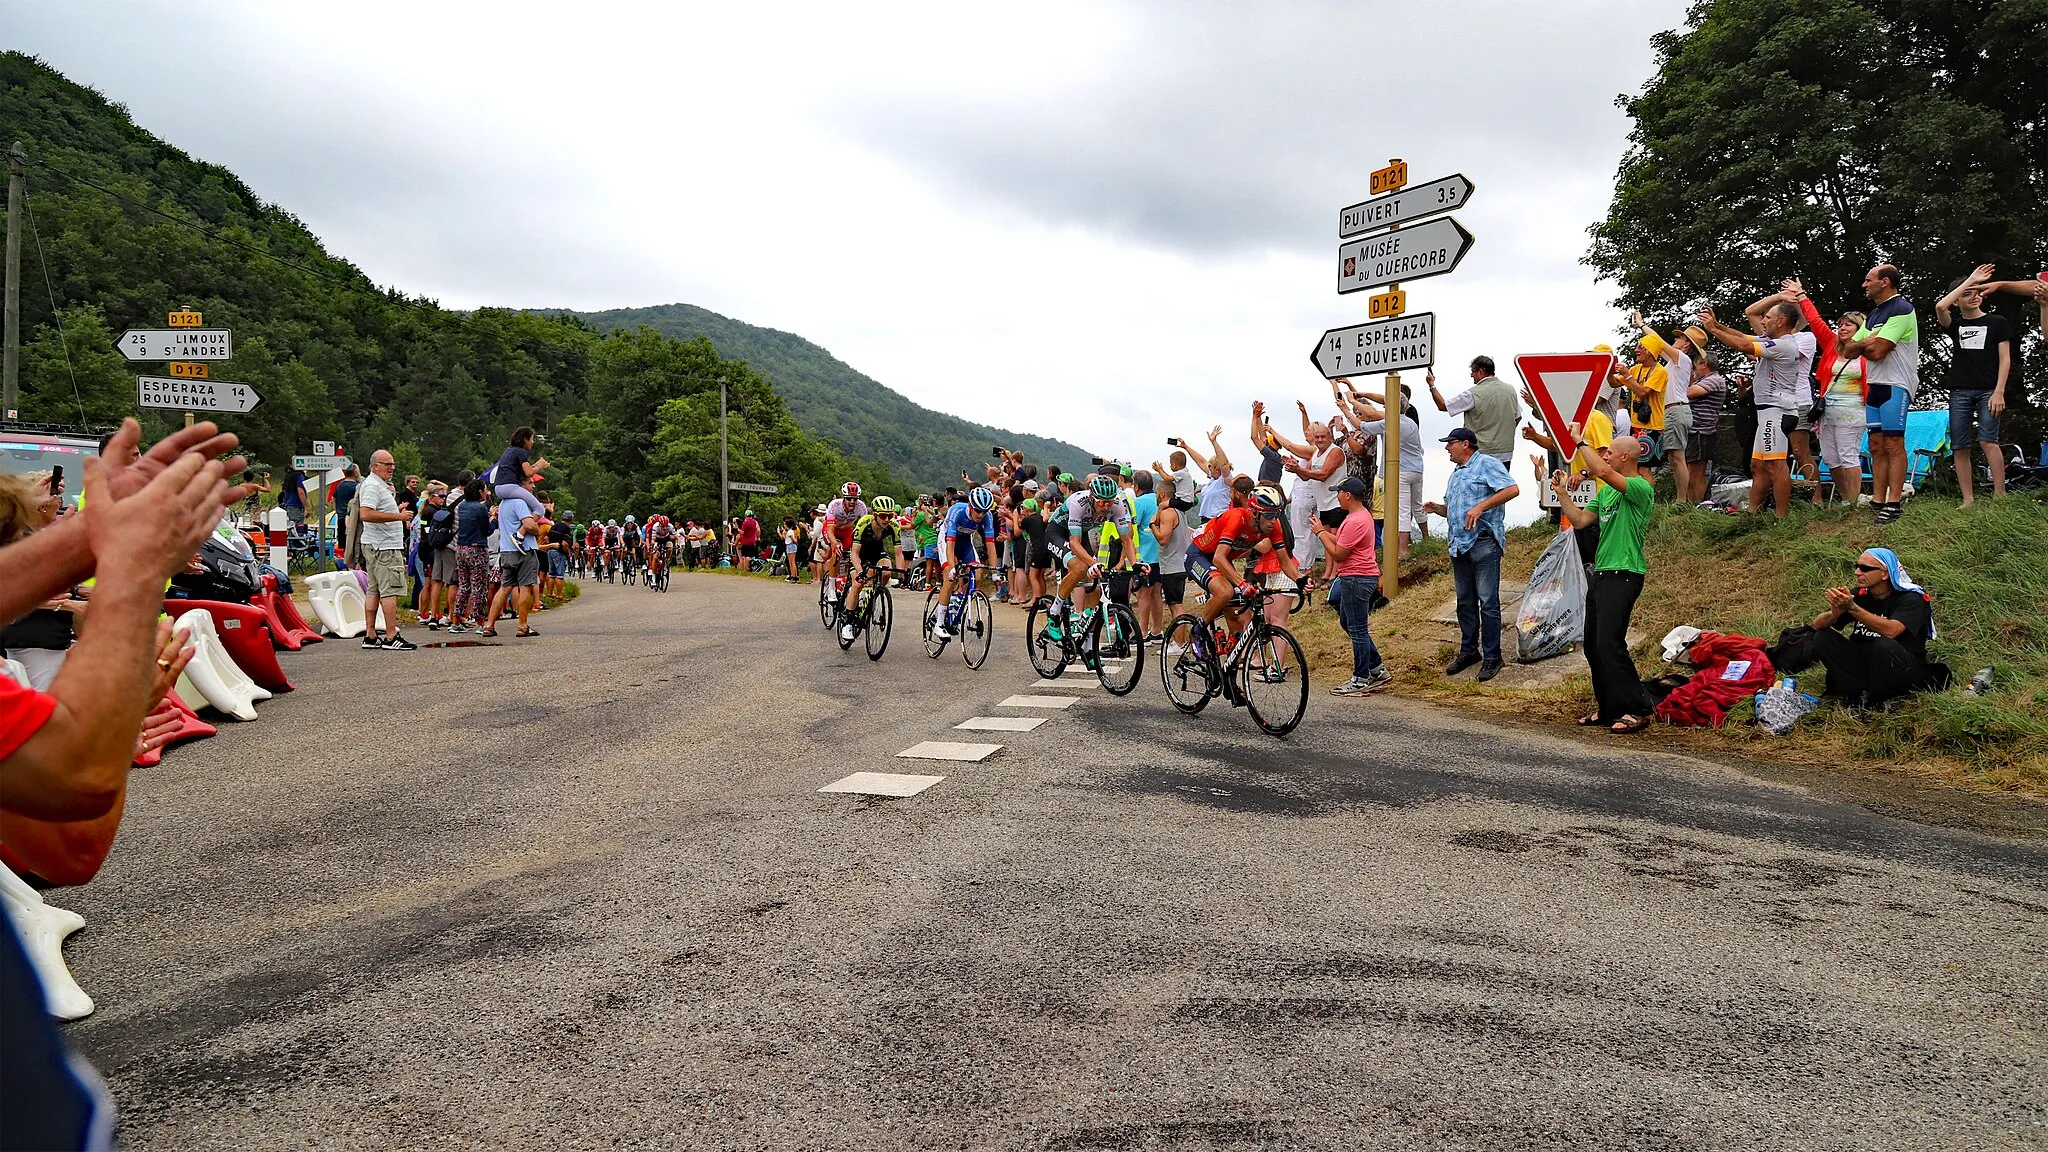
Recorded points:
(1783, 389)
(383, 542)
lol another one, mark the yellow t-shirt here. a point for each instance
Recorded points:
(1599, 432)
(1647, 412)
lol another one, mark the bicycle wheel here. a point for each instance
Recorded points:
(1186, 666)
(932, 607)
(828, 608)
(1119, 645)
(977, 627)
(881, 615)
(1274, 679)
(1048, 656)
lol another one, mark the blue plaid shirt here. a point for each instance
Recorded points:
(1470, 483)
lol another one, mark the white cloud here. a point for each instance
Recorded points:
(1105, 223)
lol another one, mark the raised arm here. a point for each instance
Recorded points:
(1218, 457)
(1435, 396)
(1726, 335)
(1824, 339)
(1979, 278)
(1654, 342)
(1755, 312)
(1199, 460)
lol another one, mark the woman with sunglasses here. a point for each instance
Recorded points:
(1889, 619)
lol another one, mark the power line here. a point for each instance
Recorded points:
(63, 337)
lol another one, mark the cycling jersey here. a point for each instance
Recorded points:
(631, 537)
(840, 516)
(962, 530)
(876, 537)
(1238, 529)
(1078, 515)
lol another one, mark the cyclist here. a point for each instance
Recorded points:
(578, 535)
(968, 519)
(840, 517)
(1087, 513)
(615, 547)
(629, 537)
(661, 538)
(874, 538)
(1250, 527)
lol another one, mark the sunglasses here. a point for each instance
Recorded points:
(1870, 567)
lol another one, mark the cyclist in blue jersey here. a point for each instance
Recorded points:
(958, 544)
(1078, 519)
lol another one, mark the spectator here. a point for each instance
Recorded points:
(1622, 511)
(409, 496)
(1474, 505)
(1372, 422)
(258, 484)
(515, 466)
(1215, 496)
(472, 561)
(1148, 600)
(439, 562)
(1979, 364)
(383, 544)
(1784, 385)
(519, 552)
(1320, 468)
(40, 638)
(1884, 656)
(1889, 343)
(1678, 357)
(1647, 383)
(1839, 431)
(345, 522)
(561, 534)
(750, 540)
(291, 496)
(65, 754)
(1487, 408)
(1708, 396)
(1355, 579)
(1173, 529)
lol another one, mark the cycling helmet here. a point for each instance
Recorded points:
(629, 520)
(1267, 499)
(882, 504)
(981, 499)
(1102, 487)
(851, 491)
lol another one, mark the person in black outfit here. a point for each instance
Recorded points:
(1884, 655)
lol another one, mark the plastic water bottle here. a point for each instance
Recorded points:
(1980, 683)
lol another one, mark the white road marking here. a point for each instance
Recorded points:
(1075, 682)
(1002, 723)
(1039, 702)
(946, 750)
(882, 784)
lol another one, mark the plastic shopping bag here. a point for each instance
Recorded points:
(1781, 705)
(1553, 613)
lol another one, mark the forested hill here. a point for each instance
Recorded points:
(129, 227)
(833, 400)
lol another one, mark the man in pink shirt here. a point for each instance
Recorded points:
(1355, 573)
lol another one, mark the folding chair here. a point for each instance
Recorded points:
(1926, 444)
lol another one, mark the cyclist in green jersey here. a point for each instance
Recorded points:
(874, 539)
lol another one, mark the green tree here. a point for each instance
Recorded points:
(1819, 138)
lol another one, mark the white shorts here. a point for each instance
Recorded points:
(1773, 433)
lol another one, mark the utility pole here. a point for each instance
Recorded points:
(10, 337)
(724, 492)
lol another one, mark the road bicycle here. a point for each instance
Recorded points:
(874, 616)
(831, 588)
(1264, 670)
(629, 568)
(970, 616)
(1106, 640)
(657, 578)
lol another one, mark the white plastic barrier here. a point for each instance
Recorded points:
(337, 600)
(218, 679)
(42, 928)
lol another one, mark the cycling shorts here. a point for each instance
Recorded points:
(1884, 409)
(1200, 566)
(1773, 433)
(964, 551)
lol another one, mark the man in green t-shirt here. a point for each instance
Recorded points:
(1621, 508)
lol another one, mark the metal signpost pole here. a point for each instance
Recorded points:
(10, 339)
(724, 491)
(1390, 468)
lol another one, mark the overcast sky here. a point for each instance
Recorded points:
(1107, 223)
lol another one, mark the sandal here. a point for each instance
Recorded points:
(487, 631)
(1591, 721)
(527, 632)
(1629, 725)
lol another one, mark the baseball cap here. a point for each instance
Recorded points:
(1464, 434)
(1031, 485)
(1029, 505)
(1353, 485)
(1125, 471)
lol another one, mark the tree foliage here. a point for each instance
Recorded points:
(1817, 139)
(623, 413)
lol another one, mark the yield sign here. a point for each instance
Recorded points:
(1565, 385)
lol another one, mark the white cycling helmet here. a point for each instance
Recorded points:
(629, 519)
(851, 491)
(981, 499)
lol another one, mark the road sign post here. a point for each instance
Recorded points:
(1398, 344)
(1432, 248)
(1406, 206)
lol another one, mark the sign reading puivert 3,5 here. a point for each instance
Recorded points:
(1396, 345)
(1404, 207)
(1428, 249)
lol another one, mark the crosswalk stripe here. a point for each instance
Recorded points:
(882, 784)
(948, 750)
(1039, 702)
(1075, 682)
(1001, 723)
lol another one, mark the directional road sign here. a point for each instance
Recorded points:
(1565, 385)
(324, 448)
(177, 344)
(764, 489)
(195, 395)
(1395, 345)
(1425, 250)
(319, 463)
(1404, 207)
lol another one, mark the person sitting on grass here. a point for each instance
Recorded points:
(1884, 656)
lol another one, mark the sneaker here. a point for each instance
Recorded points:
(1460, 664)
(1378, 678)
(1272, 676)
(433, 625)
(1488, 669)
(399, 644)
(372, 640)
(846, 633)
(1351, 687)
(453, 629)
(939, 633)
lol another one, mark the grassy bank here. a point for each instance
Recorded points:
(1987, 567)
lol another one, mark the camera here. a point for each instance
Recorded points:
(1098, 461)
(1175, 442)
(998, 450)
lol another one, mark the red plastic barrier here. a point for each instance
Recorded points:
(290, 627)
(191, 727)
(245, 633)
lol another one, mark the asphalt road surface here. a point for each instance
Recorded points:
(583, 891)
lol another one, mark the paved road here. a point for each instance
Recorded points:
(582, 891)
